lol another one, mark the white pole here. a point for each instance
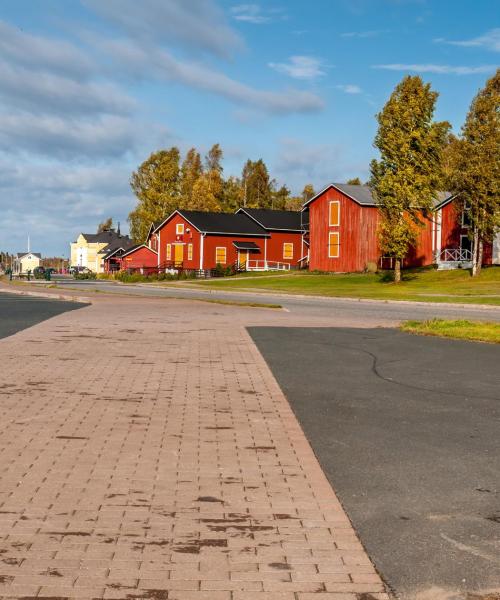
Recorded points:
(201, 250)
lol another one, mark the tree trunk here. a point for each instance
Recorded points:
(475, 252)
(479, 256)
(397, 270)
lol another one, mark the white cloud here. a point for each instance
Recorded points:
(362, 34)
(41, 53)
(349, 88)
(195, 24)
(255, 14)
(161, 64)
(300, 67)
(490, 41)
(438, 69)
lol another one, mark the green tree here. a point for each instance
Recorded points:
(280, 198)
(406, 178)
(207, 192)
(308, 192)
(354, 181)
(475, 167)
(213, 159)
(156, 183)
(232, 194)
(191, 170)
(106, 225)
(256, 183)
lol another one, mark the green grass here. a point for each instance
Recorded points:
(424, 285)
(462, 330)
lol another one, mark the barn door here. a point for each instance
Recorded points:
(178, 254)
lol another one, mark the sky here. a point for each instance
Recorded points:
(89, 88)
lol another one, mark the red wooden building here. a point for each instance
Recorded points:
(201, 240)
(140, 257)
(286, 244)
(342, 222)
(451, 235)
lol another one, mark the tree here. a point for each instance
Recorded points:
(475, 168)
(256, 185)
(105, 225)
(279, 198)
(207, 192)
(232, 194)
(213, 159)
(191, 170)
(156, 183)
(354, 181)
(308, 192)
(407, 177)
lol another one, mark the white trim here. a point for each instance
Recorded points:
(225, 255)
(439, 221)
(330, 233)
(265, 249)
(181, 227)
(464, 235)
(202, 247)
(332, 185)
(168, 251)
(190, 251)
(233, 233)
(330, 224)
(444, 202)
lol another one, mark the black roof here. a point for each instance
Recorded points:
(21, 254)
(104, 236)
(245, 245)
(224, 223)
(277, 220)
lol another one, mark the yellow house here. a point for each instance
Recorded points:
(26, 261)
(90, 248)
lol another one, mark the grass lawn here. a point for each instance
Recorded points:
(463, 330)
(422, 285)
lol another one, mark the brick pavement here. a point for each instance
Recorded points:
(146, 451)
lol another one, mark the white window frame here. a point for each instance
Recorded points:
(337, 202)
(190, 251)
(337, 245)
(218, 262)
(179, 229)
(169, 252)
(288, 257)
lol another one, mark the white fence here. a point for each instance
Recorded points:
(266, 265)
(455, 255)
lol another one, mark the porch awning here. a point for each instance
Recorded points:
(245, 246)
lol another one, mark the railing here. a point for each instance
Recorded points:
(455, 255)
(266, 265)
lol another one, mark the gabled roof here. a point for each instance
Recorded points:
(274, 220)
(23, 254)
(359, 193)
(362, 194)
(136, 247)
(153, 227)
(219, 223)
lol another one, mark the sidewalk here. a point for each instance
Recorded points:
(146, 451)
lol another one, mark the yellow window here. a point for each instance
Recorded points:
(169, 251)
(179, 229)
(288, 250)
(334, 213)
(190, 251)
(220, 255)
(333, 245)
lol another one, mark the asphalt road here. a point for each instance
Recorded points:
(20, 312)
(375, 312)
(407, 429)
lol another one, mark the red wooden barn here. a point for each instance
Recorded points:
(286, 244)
(140, 257)
(201, 240)
(342, 222)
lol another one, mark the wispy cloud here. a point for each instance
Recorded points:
(195, 24)
(349, 88)
(300, 67)
(490, 41)
(438, 69)
(254, 13)
(363, 34)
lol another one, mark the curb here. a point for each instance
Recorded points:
(81, 299)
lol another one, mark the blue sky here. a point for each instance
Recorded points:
(88, 88)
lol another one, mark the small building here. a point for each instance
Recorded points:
(91, 249)
(451, 236)
(139, 257)
(26, 261)
(202, 240)
(286, 244)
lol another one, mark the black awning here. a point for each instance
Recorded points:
(246, 246)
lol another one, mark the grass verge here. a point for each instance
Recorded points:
(478, 331)
(421, 285)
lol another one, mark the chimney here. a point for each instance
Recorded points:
(118, 228)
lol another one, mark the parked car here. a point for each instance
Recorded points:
(78, 269)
